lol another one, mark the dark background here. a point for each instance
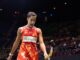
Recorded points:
(56, 18)
(13, 12)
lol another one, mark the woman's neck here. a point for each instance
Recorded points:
(30, 26)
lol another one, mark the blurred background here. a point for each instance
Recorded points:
(58, 19)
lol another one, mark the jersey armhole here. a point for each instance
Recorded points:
(21, 29)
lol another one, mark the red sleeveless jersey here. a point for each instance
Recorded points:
(28, 48)
(27, 33)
